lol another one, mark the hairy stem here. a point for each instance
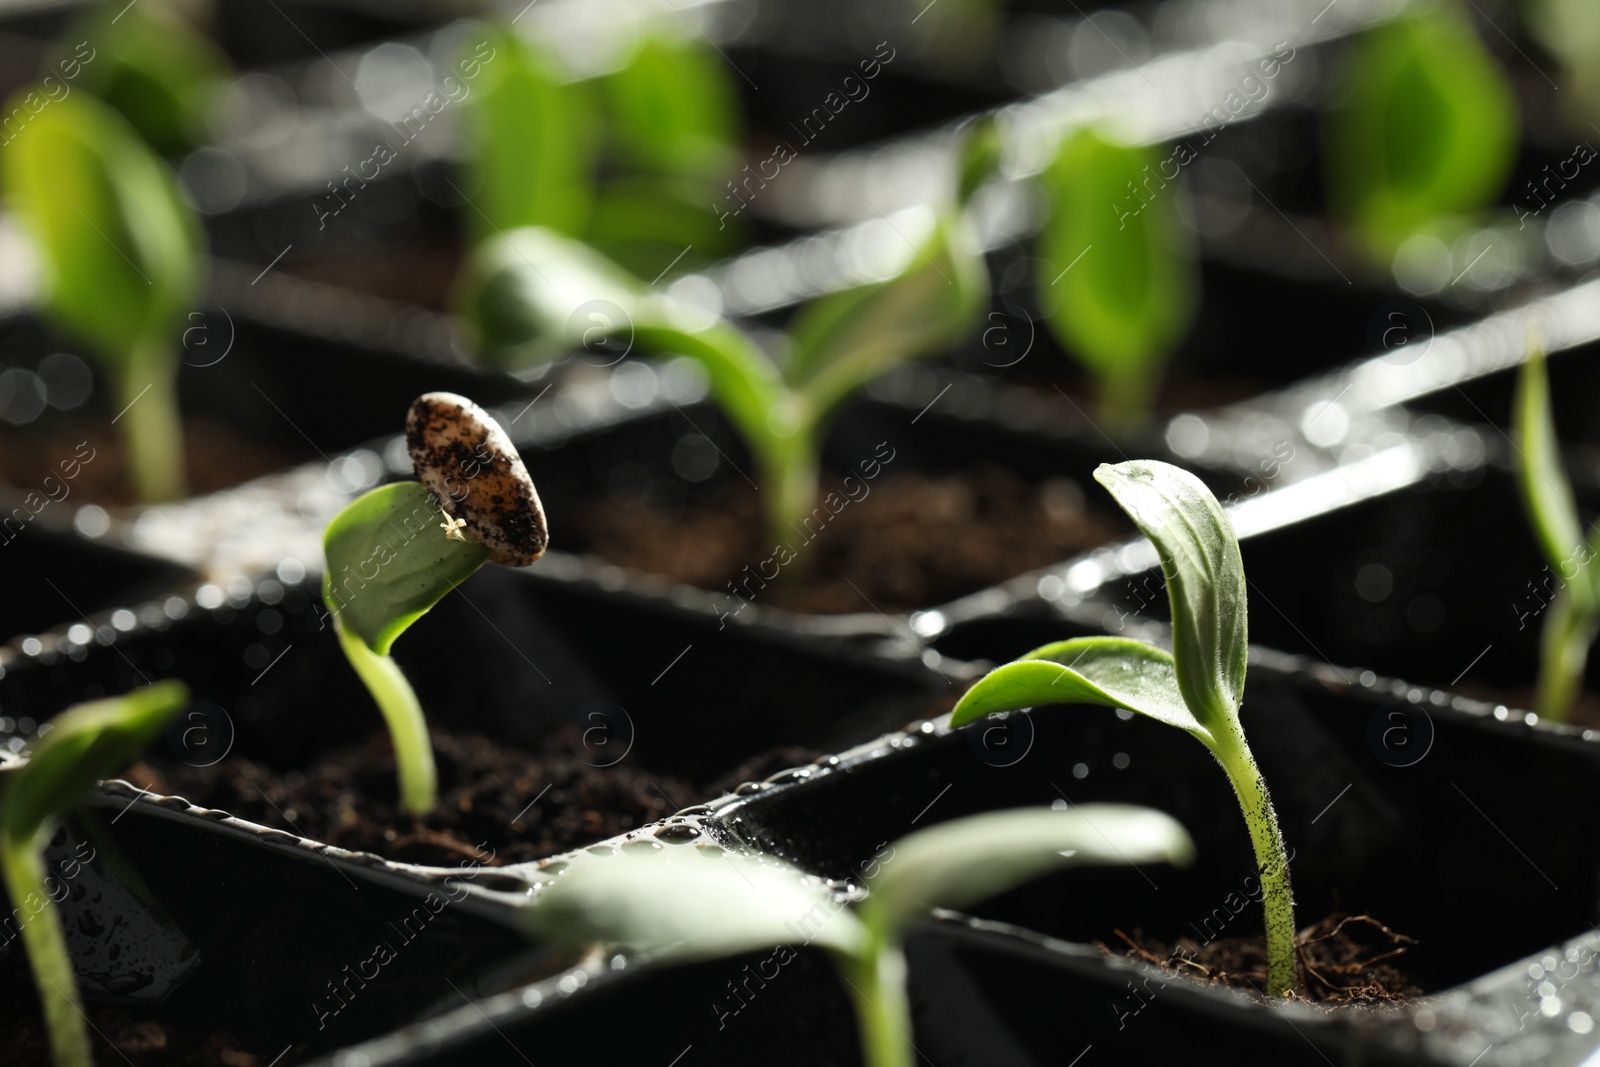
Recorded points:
(878, 989)
(1272, 859)
(152, 429)
(413, 752)
(1569, 630)
(47, 954)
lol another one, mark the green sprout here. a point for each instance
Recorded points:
(120, 253)
(390, 559)
(676, 907)
(1426, 133)
(633, 162)
(1198, 687)
(530, 292)
(152, 65)
(1117, 278)
(1574, 620)
(74, 751)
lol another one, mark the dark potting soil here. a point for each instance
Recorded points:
(421, 275)
(215, 457)
(1345, 961)
(912, 542)
(134, 1039)
(497, 803)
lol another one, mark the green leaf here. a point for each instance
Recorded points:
(1546, 492)
(1205, 581)
(533, 143)
(650, 224)
(979, 156)
(959, 863)
(674, 110)
(84, 744)
(152, 65)
(119, 247)
(685, 903)
(1112, 672)
(389, 561)
(1427, 130)
(1117, 279)
(844, 340)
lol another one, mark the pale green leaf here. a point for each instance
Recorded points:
(844, 340)
(1112, 672)
(532, 136)
(685, 903)
(1205, 581)
(83, 744)
(1117, 278)
(119, 247)
(389, 561)
(1427, 128)
(960, 863)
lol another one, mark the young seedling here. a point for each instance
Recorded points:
(534, 295)
(663, 129)
(1427, 130)
(74, 751)
(120, 257)
(1116, 276)
(675, 906)
(1573, 621)
(1198, 687)
(390, 558)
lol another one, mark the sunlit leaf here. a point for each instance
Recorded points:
(1205, 580)
(119, 248)
(1116, 278)
(846, 339)
(673, 109)
(533, 135)
(960, 863)
(389, 562)
(1113, 672)
(684, 903)
(1427, 128)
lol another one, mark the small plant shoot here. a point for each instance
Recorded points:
(120, 254)
(530, 290)
(390, 558)
(1116, 275)
(633, 162)
(74, 751)
(1573, 619)
(965, 861)
(1198, 687)
(676, 906)
(1426, 131)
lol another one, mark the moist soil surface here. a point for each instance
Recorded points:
(119, 1036)
(912, 542)
(1345, 961)
(497, 804)
(215, 458)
